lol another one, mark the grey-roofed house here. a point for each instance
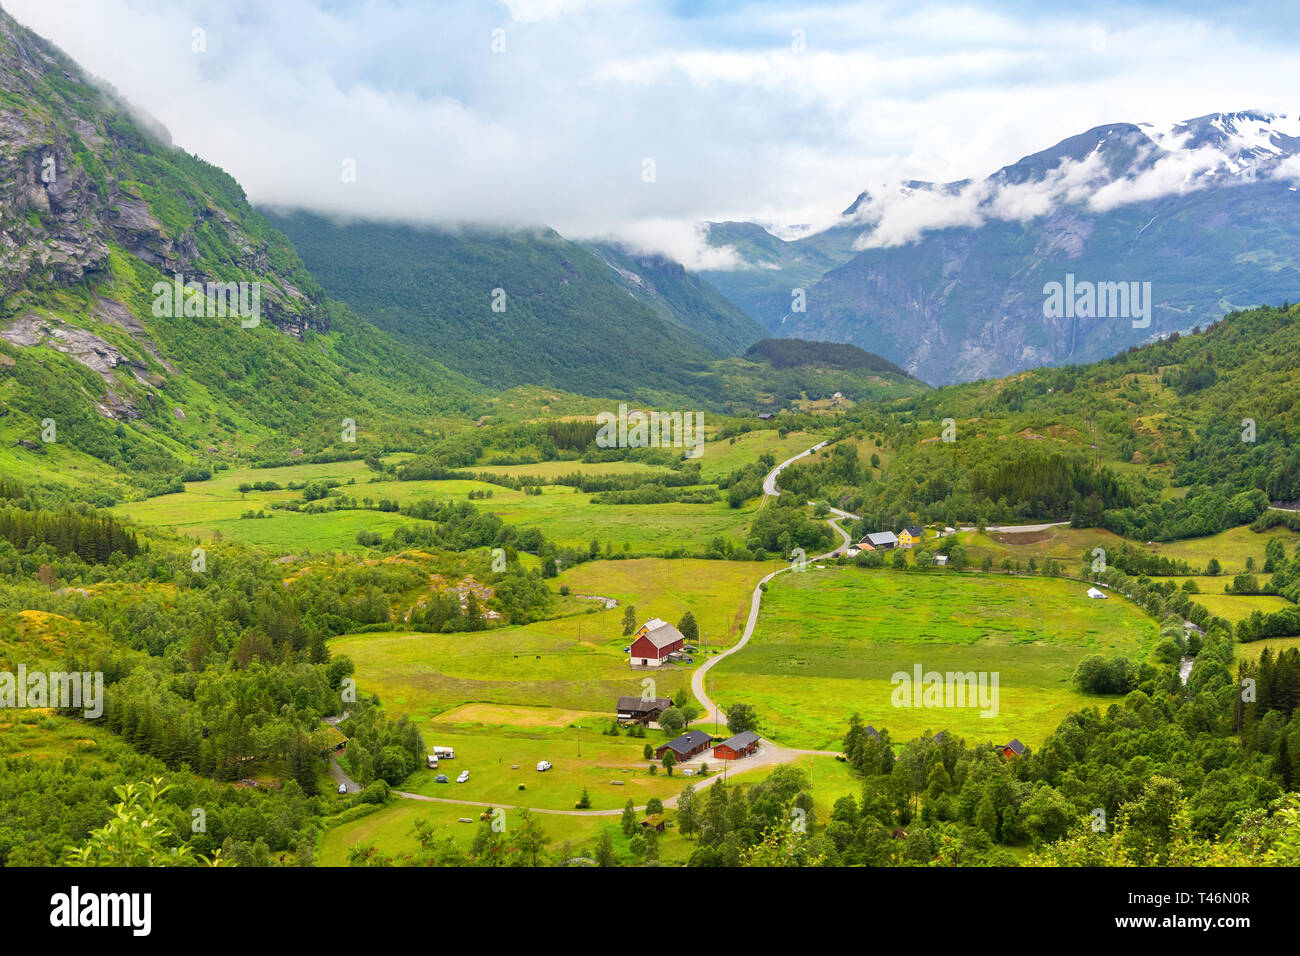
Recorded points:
(686, 746)
(881, 540)
(640, 709)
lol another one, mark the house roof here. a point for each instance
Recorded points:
(741, 740)
(882, 537)
(872, 732)
(1015, 746)
(641, 705)
(659, 633)
(915, 531)
(687, 742)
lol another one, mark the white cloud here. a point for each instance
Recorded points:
(683, 242)
(740, 125)
(1288, 168)
(1177, 172)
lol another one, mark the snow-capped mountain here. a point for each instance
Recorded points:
(948, 279)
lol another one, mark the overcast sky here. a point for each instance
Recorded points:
(770, 111)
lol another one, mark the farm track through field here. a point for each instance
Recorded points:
(769, 753)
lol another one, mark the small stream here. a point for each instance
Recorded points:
(1185, 668)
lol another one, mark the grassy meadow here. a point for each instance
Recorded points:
(1070, 545)
(575, 662)
(545, 691)
(564, 515)
(723, 456)
(828, 642)
(390, 829)
(1231, 547)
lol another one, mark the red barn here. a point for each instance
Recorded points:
(653, 642)
(741, 745)
(1013, 749)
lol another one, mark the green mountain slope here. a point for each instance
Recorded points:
(1180, 438)
(95, 210)
(566, 320)
(681, 297)
(791, 373)
(775, 268)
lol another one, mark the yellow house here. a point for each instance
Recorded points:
(911, 536)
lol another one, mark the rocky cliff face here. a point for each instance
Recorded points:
(80, 176)
(98, 211)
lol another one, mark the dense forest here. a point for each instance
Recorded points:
(217, 673)
(790, 353)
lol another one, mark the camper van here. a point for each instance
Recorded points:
(543, 765)
(444, 753)
(433, 761)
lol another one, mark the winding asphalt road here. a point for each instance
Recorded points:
(770, 490)
(711, 711)
(768, 753)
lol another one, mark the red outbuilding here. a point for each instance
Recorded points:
(733, 748)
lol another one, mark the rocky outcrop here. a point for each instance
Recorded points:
(90, 350)
(76, 170)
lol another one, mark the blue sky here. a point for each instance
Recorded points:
(759, 110)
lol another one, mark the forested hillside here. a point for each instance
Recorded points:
(515, 308)
(789, 353)
(1180, 438)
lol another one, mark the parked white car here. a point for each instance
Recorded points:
(543, 765)
(343, 788)
(464, 775)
